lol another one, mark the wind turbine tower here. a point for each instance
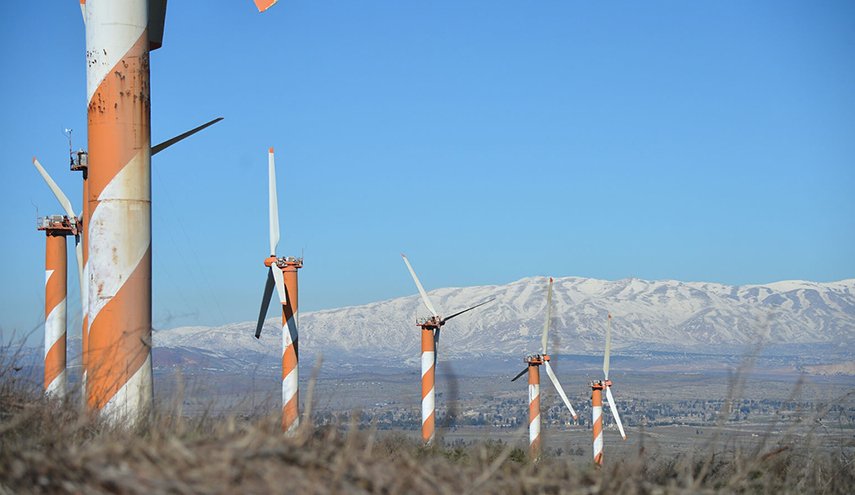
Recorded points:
(430, 338)
(119, 36)
(597, 388)
(533, 363)
(56, 228)
(282, 274)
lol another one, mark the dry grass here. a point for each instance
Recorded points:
(51, 447)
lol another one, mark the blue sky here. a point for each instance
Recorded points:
(489, 140)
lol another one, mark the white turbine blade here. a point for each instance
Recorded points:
(78, 248)
(280, 283)
(60, 196)
(273, 203)
(608, 347)
(559, 388)
(613, 407)
(545, 339)
(425, 298)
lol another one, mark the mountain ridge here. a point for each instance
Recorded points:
(667, 314)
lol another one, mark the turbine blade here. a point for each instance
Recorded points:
(280, 284)
(545, 339)
(521, 373)
(60, 196)
(273, 204)
(265, 302)
(467, 309)
(608, 347)
(263, 5)
(78, 250)
(424, 295)
(560, 389)
(169, 142)
(613, 407)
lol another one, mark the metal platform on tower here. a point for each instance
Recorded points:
(57, 225)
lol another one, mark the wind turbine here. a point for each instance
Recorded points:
(430, 338)
(534, 361)
(119, 38)
(282, 274)
(56, 229)
(597, 400)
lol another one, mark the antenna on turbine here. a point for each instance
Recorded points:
(67, 133)
(78, 161)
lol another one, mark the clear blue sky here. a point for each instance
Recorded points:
(489, 140)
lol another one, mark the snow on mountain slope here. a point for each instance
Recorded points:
(646, 315)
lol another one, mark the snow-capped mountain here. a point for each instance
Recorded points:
(647, 315)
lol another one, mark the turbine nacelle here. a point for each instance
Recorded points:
(536, 359)
(431, 322)
(283, 261)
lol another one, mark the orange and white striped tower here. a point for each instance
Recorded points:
(282, 274)
(118, 349)
(288, 267)
(119, 36)
(429, 328)
(597, 421)
(430, 338)
(56, 229)
(290, 339)
(534, 363)
(597, 388)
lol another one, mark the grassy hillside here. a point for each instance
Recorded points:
(51, 447)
